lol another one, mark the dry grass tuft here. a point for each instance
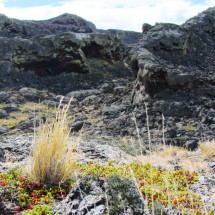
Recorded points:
(171, 156)
(53, 160)
(208, 149)
(174, 151)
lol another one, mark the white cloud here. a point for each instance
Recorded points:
(120, 14)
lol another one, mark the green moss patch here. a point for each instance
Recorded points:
(14, 119)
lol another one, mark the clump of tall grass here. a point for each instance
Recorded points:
(52, 159)
(208, 149)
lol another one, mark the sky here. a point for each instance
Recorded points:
(108, 14)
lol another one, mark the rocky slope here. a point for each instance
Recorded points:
(123, 83)
(175, 73)
(173, 66)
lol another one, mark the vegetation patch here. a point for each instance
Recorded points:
(170, 188)
(30, 197)
(14, 119)
(188, 127)
(51, 177)
(52, 160)
(39, 108)
(208, 149)
(2, 106)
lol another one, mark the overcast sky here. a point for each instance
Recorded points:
(106, 14)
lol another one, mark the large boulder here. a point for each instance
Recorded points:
(177, 58)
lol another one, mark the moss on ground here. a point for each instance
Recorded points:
(14, 119)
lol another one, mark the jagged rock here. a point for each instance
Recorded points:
(128, 37)
(171, 133)
(88, 198)
(103, 152)
(107, 87)
(4, 96)
(3, 129)
(11, 107)
(77, 126)
(172, 65)
(191, 144)
(2, 157)
(6, 208)
(182, 51)
(32, 94)
(3, 113)
(17, 145)
(113, 110)
(146, 27)
(81, 94)
(175, 76)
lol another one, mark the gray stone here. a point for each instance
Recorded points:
(50, 103)
(62, 45)
(3, 113)
(3, 129)
(97, 211)
(113, 110)
(29, 93)
(2, 157)
(107, 87)
(89, 202)
(104, 152)
(171, 133)
(89, 100)
(4, 96)
(12, 107)
(18, 145)
(77, 126)
(191, 144)
(81, 94)
(172, 64)
(128, 37)
(84, 198)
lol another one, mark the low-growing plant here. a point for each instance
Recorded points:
(189, 128)
(39, 210)
(169, 188)
(14, 119)
(28, 196)
(38, 108)
(2, 106)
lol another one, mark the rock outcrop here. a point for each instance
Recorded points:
(173, 66)
(177, 58)
(27, 29)
(61, 44)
